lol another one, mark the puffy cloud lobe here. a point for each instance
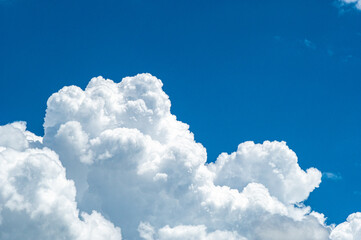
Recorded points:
(138, 144)
(16, 137)
(349, 230)
(36, 199)
(272, 164)
(129, 156)
(134, 163)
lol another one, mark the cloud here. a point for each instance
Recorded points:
(131, 164)
(349, 230)
(272, 164)
(181, 232)
(309, 44)
(355, 3)
(332, 176)
(36, 199)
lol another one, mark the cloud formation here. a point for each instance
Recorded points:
(36, 199)
(355, 3)
(113, 156)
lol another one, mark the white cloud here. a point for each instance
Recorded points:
(272, 164)
(198, 232)
(136, 165)
(185, 232)
(332, 176)
(356, 3)
(349, 230)
(36, 199)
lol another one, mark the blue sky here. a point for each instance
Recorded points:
(234, 71)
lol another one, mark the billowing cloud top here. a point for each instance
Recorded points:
(114, 157)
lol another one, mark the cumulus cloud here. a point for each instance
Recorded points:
(113, 156)
(37, 201)
(349, 230)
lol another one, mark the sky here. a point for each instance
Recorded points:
(235, 71)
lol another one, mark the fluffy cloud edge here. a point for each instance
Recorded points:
(34, 190)
(125, 132)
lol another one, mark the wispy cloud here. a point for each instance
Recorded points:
(277, 38)
(353, 3)
(330, 52)
(358, 193)
(332, 176)
(309, 44)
